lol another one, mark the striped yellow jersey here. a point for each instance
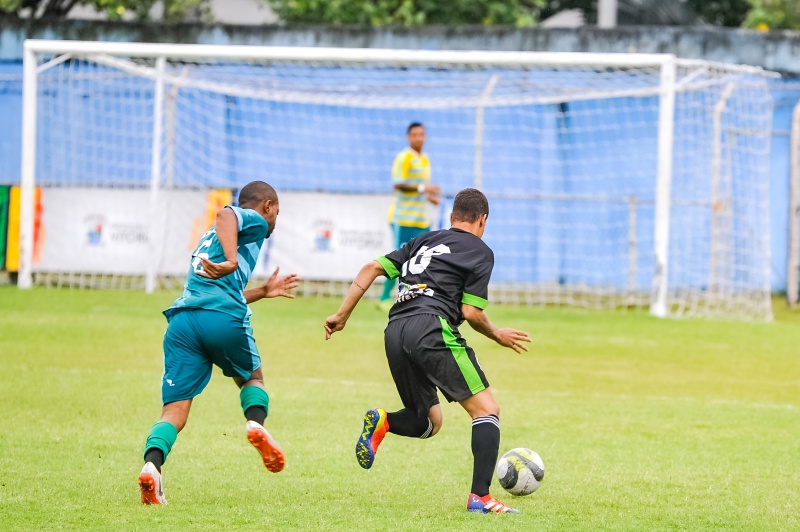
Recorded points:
(408, 209)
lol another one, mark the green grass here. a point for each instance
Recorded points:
(643, 424)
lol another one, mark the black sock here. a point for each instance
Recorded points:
(256, 413)
(485, 443)
(156, 456)
(406, 422)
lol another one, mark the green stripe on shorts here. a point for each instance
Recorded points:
(462, 358)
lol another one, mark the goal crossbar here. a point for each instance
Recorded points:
(346, 55)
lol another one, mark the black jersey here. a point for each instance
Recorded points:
(438, 272)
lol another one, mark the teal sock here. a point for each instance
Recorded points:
(255, 403)
(387, 290)
(162, 437)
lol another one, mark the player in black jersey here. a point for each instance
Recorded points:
(444, 279)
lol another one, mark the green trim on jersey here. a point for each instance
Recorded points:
(391, 271)
(475, 301)
(462, 358)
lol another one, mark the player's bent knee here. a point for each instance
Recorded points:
(242, 383)
(436, 420)
(481, 404)
(257, 375)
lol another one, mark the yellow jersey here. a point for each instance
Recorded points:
(408, 208)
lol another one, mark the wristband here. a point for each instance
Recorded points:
(421, 188)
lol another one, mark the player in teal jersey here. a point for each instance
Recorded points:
(210, 325)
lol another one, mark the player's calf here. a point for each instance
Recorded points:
(407, 422)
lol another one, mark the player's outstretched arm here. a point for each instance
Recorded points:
(432, 194)
(510, 338)
(228, 236)
(431, 191)
(360, 285)
(274, 287)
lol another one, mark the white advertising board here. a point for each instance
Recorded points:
(327, 236)
(106, 231)
(319, 236)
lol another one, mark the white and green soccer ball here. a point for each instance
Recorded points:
(520, 471)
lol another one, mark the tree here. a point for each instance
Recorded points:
(174, 10)
(714, 12)
(720, 12)
(408, 12)
(774, 15)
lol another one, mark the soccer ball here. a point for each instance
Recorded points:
(520, 471)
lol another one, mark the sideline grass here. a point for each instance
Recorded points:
(643, 424)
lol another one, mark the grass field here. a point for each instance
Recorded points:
(643, 424)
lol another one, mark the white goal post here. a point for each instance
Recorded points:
(793, 251)
(615, 180)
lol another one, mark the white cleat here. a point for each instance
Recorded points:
(150, 485)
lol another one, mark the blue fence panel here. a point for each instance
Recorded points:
(535, 157)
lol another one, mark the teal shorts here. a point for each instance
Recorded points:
(195, 341)
(403, 234)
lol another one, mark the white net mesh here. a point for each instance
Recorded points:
(568, 156)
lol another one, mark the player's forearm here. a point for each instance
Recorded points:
(360, 285)
(405, 187)
(251, 295)
(228, 234)
(479, 322)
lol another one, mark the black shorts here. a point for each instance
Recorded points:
(425, 353)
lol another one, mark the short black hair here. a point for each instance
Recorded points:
(412, 125)
(470, 204)
(256, 192)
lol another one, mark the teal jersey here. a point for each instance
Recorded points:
(227, 293)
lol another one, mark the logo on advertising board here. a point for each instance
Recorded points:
(94, 229)
(323, 232)
(100, 232)
(347, 238)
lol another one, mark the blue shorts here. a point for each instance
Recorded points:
(198, 339)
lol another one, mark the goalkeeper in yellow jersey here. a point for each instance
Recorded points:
(411, 176)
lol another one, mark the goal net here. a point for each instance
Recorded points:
(614, 180)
